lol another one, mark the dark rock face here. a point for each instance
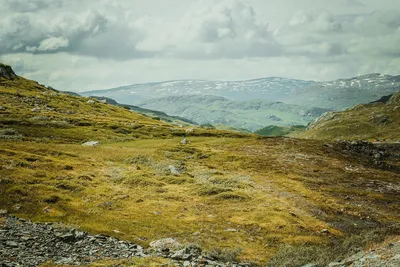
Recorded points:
(7, 72)
(378, 154)
(383, 99)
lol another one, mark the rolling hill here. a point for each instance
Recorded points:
(231, 197)
(274, 130)
(379, 120)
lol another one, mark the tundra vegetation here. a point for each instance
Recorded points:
(275, 200)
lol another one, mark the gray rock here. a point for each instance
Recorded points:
(7, 72)
(336, 264)
(91, 102)
(324, 231)
(30, 244)
(65, 261)
(178, 255)
(11, 244)
(91, 143)
(173, 170)
(67, 237)
(165, 243)
(184, 141)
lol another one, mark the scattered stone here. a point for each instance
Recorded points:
(231, 230)
(165, 243)
(91, 102)
(46, 209)
(11, 244)
(173, 170)
(69, 237)
(17, 207)
(3, 212)
(336, 264)
(324, 231)
(185, 141)
(65, 261)
(178, 255)
(36, 109)
(91, 143)
(29, 244)
(106, 204)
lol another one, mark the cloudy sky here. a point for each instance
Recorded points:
(81, 45)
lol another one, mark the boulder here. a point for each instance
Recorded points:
(91, 143)
(7, 72)
(165, 243)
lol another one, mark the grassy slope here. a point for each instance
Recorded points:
(365, 122)
(148, 112)
(273, 130)
(273, 191)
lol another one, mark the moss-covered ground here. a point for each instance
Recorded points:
(267, 197)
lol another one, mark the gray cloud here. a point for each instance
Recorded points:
(228, 28)
(356, 3)
(24, 6)
(324, 34)
(216, 39)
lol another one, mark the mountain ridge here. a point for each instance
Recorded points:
(338, 94)
(378, 120)
(230, 197)
(251, 114)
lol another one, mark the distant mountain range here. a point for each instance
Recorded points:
(220, 101)
(251, 114)
(338, 94)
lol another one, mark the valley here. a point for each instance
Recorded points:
(254, 104)
(238, 197)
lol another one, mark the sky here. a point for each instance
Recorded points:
(82, 45)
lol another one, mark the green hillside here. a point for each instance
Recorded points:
(250, 115)
(273, 130)
(375, 121)
(276, 201)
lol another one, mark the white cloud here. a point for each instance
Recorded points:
(319, 34)
(107, 43)
(50, 44)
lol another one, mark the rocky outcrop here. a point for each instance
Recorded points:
(23, 243)
(386, 255)
(7, 72)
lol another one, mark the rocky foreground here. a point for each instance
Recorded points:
(24, 243)
(387, 255)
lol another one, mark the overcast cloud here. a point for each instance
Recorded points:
(84, 44)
